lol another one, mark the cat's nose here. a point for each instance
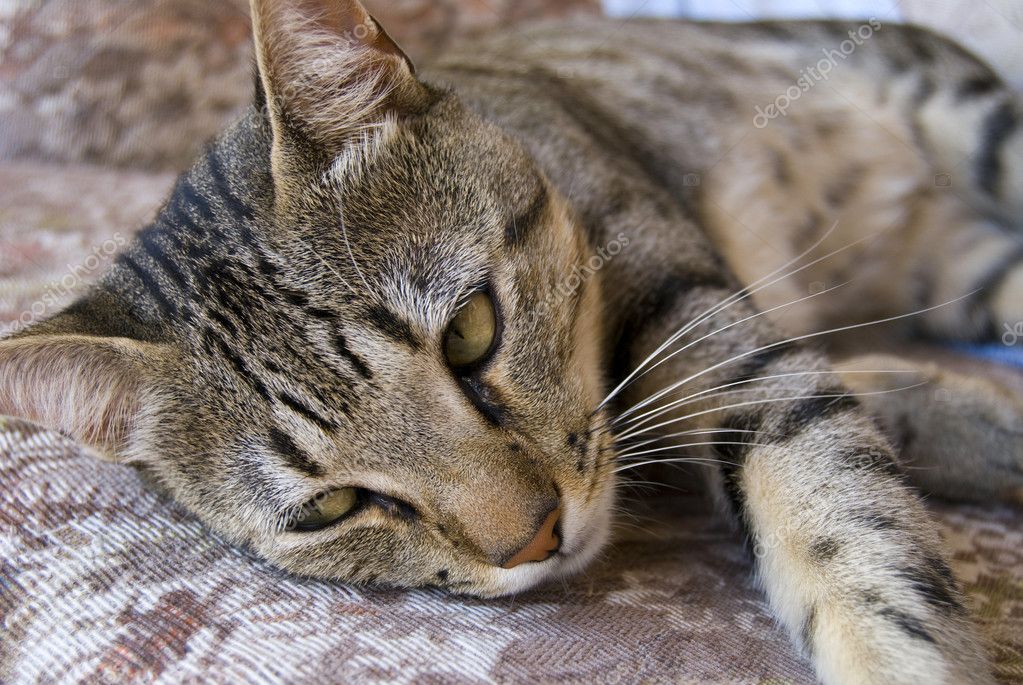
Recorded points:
(545, 543)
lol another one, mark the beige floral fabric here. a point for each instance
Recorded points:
(104, 581)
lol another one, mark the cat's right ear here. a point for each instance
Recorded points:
(330, 74)
(91, 388)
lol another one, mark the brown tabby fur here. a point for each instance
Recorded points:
(276, 332)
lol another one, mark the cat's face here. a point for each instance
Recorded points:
(456, 455)
(386, 379)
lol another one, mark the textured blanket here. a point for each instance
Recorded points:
(102, 580)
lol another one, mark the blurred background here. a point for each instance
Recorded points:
(142, 83)
(102, 102)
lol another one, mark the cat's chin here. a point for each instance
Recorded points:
(586, 529)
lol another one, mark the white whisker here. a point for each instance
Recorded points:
(710, 393)
(351, 254)
(661, 393)
(738, 296)
(696, 431)
(669, 436)
(679, 460)
(325, 263)
(741, 321)
(708, 443)
(632, 433)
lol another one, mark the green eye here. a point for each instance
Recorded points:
(325, 509)
(471, 333)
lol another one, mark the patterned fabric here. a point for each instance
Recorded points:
(103, 580)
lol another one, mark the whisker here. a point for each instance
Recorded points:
(620, 510)
(652, 485)
(700, 461)
(726, 327)
(743, 320)
(767, 401)
(656, 396)
(308, 248)
(645, 485)
(631, 449)
(682, 462)
(738, 296)
(710, 393)
(631, 452)
(641, 529)
(669, 436)
(695, 431)
(351, 254)
(728, 301)
(669, 448)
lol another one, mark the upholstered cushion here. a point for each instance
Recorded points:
(102, 580)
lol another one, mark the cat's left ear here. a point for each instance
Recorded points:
(330, 73)
(88, 387)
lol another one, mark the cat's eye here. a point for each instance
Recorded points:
(472, 332)
(325, 509)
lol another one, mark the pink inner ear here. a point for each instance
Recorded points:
(339, 16)
(330, 69)
(348, 20)
(87, 389)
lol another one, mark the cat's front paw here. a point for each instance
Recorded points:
(874, 641)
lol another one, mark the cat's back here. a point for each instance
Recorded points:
(672, 58)
(675, 96)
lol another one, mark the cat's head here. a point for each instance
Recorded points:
(347, 342)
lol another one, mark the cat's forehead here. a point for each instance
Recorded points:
(431, 216)
(446, 170)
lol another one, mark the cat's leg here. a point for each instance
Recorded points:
(969, 124)
(918, 193)
(958, 435)
(844, 548)
(847, 553)
(965, 268)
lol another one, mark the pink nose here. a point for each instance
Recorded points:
(542, 546)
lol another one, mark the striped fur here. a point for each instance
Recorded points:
(280, 321)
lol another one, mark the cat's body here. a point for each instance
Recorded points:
(701, 119)
(278, 335)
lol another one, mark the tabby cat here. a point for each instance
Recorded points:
(406, 329)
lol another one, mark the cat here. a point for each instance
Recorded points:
(406, 329)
